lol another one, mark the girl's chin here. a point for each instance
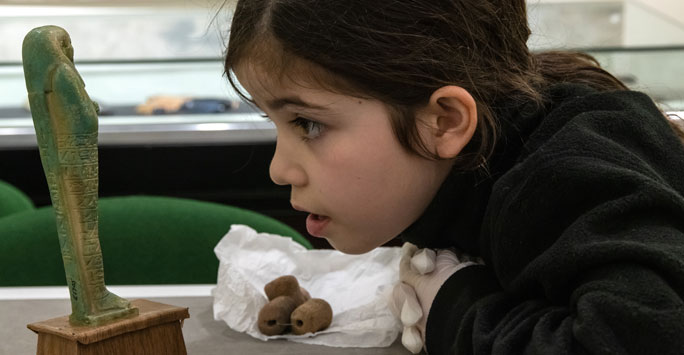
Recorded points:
(353, 249)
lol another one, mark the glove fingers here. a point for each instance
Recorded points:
(404, 304)
(406, 273)
(423, 261)
(411, 311)
(408, 248)
(412, 340)
(400, 292)
(397, 299)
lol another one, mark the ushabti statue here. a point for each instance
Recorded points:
(66, 126)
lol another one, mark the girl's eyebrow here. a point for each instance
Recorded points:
(279, 103)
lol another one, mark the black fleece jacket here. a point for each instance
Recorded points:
(581, 226)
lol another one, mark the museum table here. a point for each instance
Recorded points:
(203, 335)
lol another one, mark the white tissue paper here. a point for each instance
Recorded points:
(357, 287)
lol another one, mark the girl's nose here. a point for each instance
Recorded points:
(285, 168)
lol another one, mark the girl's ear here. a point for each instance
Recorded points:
(448, 121)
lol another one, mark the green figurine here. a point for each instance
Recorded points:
(66, 126)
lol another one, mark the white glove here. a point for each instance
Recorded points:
(422, 273)
(404, 305)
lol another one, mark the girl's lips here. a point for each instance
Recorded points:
(315, 224)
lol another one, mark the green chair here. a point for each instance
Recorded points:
(13, 200)
(144, 239)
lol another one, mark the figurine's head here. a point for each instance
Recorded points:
(43, 48)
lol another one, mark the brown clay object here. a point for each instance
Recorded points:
(312, 316)
(286, 286)
(284, 295)
(291, 307)
(274, 317)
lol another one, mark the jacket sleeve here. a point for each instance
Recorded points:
(584, 243)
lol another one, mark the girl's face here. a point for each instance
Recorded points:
(340, 156)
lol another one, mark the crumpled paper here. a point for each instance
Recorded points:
(357, 287)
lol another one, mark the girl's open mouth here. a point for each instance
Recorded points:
(316, 223)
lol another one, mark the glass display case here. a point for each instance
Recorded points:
(658, 71)
(136, 60)
(640, 42)
(145, 102)
(132, 52)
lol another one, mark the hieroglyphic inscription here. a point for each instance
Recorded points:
(78, 166)
(77, 140)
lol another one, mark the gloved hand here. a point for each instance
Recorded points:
(422, 273)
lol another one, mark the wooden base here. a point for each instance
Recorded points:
(156, 330)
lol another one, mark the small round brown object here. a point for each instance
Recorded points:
(286, 286)
(274, 317)
(312, 316)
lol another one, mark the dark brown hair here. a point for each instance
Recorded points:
(401, 51)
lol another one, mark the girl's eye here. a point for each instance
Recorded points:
(312, 129)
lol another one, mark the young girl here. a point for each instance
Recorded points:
(431, 120)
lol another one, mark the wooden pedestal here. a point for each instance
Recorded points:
(156, 330)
